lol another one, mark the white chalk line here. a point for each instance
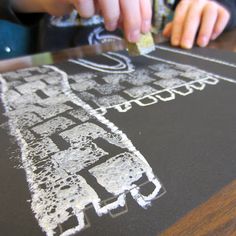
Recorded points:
(123, 67)
(196, 56)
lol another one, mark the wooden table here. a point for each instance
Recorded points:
(217, 216)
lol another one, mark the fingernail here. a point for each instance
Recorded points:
(187, 44)
(146, 26)
(214, 36)
(203, 41)
(111, 26)
(134, 36)
(175, 42)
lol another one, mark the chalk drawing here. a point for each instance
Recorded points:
(122, 64)
(73, 19)
(56, 170)
(58, 119)
(161, 80)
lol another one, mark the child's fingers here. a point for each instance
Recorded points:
(111, 13)
(167, 30)
(131, 19)
(209, 18)
(146, 15)
(221, 22)
(85, 8)
(178, 22)
(120, 22)
(189, 15)
(192, 22)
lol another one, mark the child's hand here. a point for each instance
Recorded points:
(134, 16)
(205, 18)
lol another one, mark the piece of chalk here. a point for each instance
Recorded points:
(144, 46)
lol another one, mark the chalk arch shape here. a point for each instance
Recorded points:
(166, 95)
(118, 63)
(83, 223)
(121, 64)
(146, 101)
(123, 107)
(146, 200)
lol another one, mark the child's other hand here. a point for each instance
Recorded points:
(134, 16)
(205, 18)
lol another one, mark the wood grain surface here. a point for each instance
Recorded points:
(215, 217)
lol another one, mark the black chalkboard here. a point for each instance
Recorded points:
(173, 108)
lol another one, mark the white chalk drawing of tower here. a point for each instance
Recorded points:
(59, 136)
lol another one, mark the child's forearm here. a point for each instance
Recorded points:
(27, 6)
(52, 7)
